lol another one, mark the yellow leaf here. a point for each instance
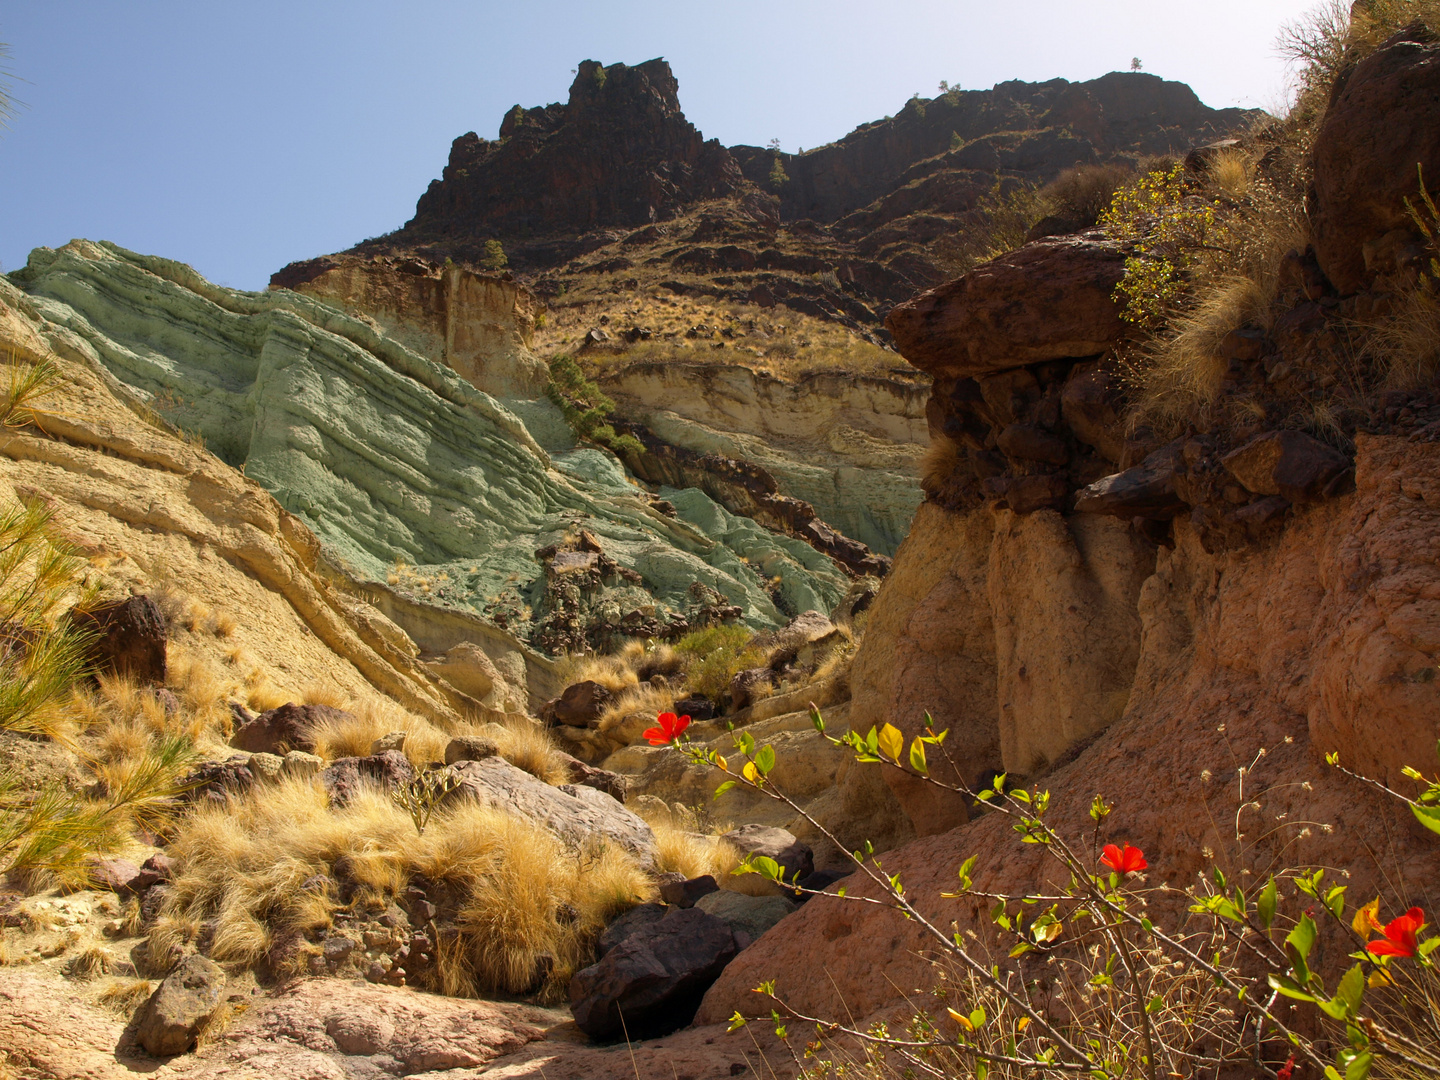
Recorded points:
(1023, 1024)
(720, 760)
(1047, 933)
(961, 1019)
(750, 772)
(1379, 978)
(1365, 920)
(891, 742)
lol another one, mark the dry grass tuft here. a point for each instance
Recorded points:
(371, 718)
(525, 896)
(527, 745)
(90, 963)
(321, 693)
(642, 698)
(939, 463)
(123, 996)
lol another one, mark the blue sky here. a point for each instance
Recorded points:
(240, 136)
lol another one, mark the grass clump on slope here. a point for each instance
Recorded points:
(523, 896)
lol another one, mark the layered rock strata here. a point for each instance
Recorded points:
(410, 476)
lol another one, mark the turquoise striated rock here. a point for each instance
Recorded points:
(407, 473)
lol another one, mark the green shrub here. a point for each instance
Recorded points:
(585, 407)
(494, 257)
(714, 656)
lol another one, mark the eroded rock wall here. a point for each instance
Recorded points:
(1323, 639)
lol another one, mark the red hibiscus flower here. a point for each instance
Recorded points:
(1123, 860)
(669, 729)
(1400, 934)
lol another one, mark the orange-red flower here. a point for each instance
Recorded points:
(1400, 934)
(669, 729)
(1286, 1070)
(1123, 860)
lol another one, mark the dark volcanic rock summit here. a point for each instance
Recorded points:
(619, 153)
(617, 181)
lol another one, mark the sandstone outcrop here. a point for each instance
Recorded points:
(848, 446)
(1378, 129)
(1049, 300)
(478, 324)
(1294, 647)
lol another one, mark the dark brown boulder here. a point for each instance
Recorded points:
(1049, 300)
(1289, 464)
(290, 727)
(685, 892)
(637, 918)
(129, 638)
(611, 783)
(1091, 406)
(580, 705)
(1030, 443)
(1380, 124)
(655, 977)
(1026, 494)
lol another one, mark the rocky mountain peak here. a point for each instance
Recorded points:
(619, 153)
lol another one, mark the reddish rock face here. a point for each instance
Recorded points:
(1379, 126)
(1049, 300)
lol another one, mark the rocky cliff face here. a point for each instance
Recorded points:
(1227, 608)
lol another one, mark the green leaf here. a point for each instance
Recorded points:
(1429, 816)
(1265, 903)
(1021, 949)
(1346, 1002)
(891, 742)
(766, 867)
(817, 719)
(1302, 938)
(1335, 901)
(1359, 1067)
(765, 759)
(977, 1018)
(968, 867)
(872, 740)
(1155, 1004)
(726, 786)
(736, 1022)
(1429, 945)
(917, 758)
(1289, 988)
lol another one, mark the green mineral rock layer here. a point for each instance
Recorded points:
(407, 473)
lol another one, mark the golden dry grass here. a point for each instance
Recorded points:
(938, 463)
(527, 745)
(641, 698)
(244, 867)
(122, 995)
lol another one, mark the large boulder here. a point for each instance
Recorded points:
(1147, 490)
(1378, 128)
(290, 727)
(1289, 463)
(172, 1019)
(580, 705)
(1049, 300)
(581, 816)
(129, 638)
(654, 978)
